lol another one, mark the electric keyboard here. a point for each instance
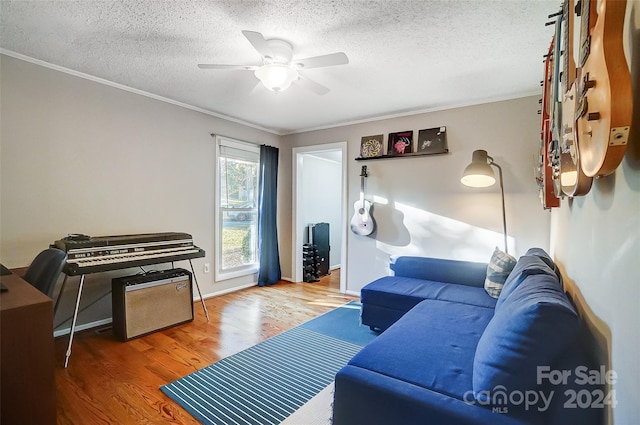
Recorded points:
(87, 255)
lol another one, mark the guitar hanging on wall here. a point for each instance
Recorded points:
(573, 181)
(555, 106)
(543, 173)
(362, 222)
(605, 104)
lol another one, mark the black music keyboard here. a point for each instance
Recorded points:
(104, 253)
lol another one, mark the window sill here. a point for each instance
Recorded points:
(226, 275)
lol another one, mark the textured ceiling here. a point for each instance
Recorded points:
(404, 56)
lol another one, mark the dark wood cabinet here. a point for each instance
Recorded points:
(27, 358)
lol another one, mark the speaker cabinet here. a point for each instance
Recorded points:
(146, 303)
(320, 237)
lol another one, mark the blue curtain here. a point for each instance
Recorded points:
(269, 256)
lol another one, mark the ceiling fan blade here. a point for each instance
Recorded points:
(322, 61)
(311, 85)
(259, 43)
(256, 88)
(219, 66)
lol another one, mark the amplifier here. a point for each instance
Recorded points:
(149, 302)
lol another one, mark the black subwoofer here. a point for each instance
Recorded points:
(320, 238)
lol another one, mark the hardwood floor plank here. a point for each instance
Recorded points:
(114, 382)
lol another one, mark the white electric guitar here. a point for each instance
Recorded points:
(362, 222)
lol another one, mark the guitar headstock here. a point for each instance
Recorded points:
(363, 172)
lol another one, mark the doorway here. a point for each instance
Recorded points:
(319, 191)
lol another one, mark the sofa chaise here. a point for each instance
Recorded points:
(451, 354)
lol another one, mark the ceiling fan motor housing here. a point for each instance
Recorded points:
(282, 52)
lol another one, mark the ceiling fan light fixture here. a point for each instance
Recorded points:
(276, 76)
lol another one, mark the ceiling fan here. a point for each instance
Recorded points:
(279, 69)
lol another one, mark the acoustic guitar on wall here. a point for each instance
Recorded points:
(362, 222)
(605, 104)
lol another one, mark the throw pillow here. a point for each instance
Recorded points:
(498, 270)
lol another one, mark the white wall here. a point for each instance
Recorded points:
(421, 207)
(596, 241)
(82, 157)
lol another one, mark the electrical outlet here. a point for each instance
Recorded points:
(206, 267)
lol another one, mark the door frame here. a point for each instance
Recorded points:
(296, 234)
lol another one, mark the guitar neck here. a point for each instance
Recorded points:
(363, 175)
(569, 64)
(587, 19)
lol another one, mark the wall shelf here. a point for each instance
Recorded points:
(406, 155)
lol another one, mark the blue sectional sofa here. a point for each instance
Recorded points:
(451, 354)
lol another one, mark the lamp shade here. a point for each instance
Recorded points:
(276, 77)
(479, 173)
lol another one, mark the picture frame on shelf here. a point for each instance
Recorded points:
(432, 140)
(372, 146)
(400, 143)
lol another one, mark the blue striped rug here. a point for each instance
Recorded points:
(266, 383)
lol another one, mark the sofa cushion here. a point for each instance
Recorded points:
(527, 265)
(535, 324)
(366, 397)
(539, 252)
(499, 268)
(403, 293)
(439, 270)
(431, 346)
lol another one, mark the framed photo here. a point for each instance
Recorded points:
(400, 143)
(432, 140)
(371, 146)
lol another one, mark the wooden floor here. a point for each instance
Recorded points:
(113, 382)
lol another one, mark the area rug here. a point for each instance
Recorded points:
(266, 383)
(316, 411)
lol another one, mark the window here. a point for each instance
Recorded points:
(237, 208)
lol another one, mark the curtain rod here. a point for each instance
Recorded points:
(241, 141)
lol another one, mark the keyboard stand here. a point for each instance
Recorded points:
(195, 279)
(73, 322)
(79, 296)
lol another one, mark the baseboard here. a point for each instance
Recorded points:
(226, 291)
(85, 326)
